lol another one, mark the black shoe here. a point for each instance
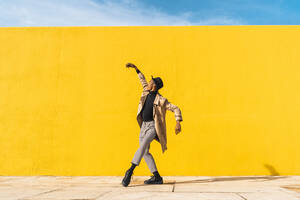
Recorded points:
(127, 178)
(154, 180)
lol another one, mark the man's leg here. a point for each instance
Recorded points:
(147, 134)
(157, 179)
(150, 160)
(145, 139)
(135, 161)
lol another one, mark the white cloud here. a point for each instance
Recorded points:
(93, 13)
(220, 21)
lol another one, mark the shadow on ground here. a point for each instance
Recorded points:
(218, 179)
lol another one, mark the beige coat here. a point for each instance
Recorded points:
(160, 105)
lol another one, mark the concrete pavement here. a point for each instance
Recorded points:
(174, 187)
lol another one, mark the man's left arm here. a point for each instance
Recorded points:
(177, 112)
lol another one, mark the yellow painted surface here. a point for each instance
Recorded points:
(68, 103)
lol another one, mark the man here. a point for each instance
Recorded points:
(151, 119)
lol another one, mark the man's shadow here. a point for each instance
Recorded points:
(274, 176)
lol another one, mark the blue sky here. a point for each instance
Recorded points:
(16, 13)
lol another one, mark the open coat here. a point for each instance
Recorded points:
(160, 105)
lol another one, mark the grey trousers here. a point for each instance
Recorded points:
(147, 134)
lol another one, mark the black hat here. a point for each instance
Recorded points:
(158, 82)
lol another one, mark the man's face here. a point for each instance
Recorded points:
(151, 85)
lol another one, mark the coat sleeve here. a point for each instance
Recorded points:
(142, 79)
(175, 110)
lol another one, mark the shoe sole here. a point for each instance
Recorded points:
(154, 183)
(123, 183)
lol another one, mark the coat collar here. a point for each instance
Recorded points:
(156, 100)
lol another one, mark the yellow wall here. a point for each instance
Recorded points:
(68, 103)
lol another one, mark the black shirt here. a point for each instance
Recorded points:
(147, 110)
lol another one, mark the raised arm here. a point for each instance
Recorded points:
(140, 75)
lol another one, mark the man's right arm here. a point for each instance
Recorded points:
(137, 70)
(140, 75)
(142, 79)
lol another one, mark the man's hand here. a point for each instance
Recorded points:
(128, 65)
(178, 127)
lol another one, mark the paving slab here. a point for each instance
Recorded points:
(71, 193)
(168, 196)
(174, 187)
(269, 196)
